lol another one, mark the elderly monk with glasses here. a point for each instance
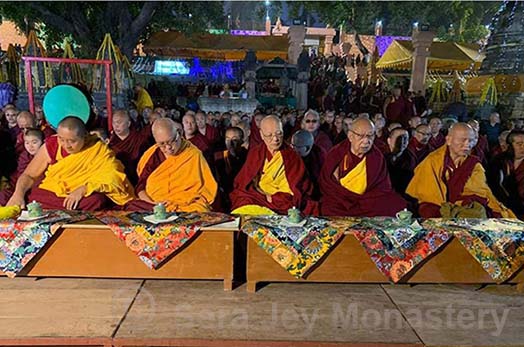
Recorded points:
(311, 123)
(418, 147)
(273, 178)
(354, 180)
(174, 172)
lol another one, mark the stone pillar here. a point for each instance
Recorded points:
(328, 45)
(250, 75)
(421, 50)
(268, 26)
(301, 90)
(296, 35)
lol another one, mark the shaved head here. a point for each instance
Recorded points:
(302, 142)
(361, 135)
(163, 125)
(73, 124)
(362, 123)
(460, 140)
(26, 120)
(272, 133)
(166, 135)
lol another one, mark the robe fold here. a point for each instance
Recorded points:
(437, 181)
(129, 151)
(254, 138)
(183, 181)
(246, 190)
(322, 140)
(378, 197)
(212, 135)
(437, 141)
(95, 166)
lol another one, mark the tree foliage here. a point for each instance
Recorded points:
(127, 22)
(455, 20)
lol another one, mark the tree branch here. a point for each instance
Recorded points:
(51, 18)
(137, 26)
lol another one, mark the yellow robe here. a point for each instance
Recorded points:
(427, 185)
(273, 179)
(356, 180)
(96, 167)
(184, 181)
(143, 100)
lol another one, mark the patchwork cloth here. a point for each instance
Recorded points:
(497, 244)
(395, 247)
(155, 243)
(296, 248)
(21, 241)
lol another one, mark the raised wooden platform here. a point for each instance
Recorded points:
(92, 250)
(348, 262)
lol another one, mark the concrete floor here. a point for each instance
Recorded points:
(199, 313)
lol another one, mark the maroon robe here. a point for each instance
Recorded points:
(510, 191)
(481, 150)
(338, 138)
(212, 135)
(19, 144)
(129, 151)
(227, 167)
(314, 162)
(455, 183)
(254, 138)
(49, 200)
(245, 193)
(396, 112)
(381, 145)
(418, 151)
(379, 199)
(47, 130)
(437, 141)
(23, 160)
(201, 142)
(323, 141)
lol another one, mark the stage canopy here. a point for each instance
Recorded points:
(216, 47)
(444, 56)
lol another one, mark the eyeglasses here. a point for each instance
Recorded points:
(364, 136)
(311, 121)
(170, 143)
(278, 134)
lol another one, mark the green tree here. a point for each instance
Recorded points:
(127, 22)
(456, 20)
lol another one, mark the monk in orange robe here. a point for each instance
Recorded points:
(128, 144)
(451, 175)
(354, 180)
(80, 172)
(174, 172)
(273, 178)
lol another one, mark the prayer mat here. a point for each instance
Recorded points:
(297, 248)
(395, 247)
(154, 243)
(21, 241)
(497, 244)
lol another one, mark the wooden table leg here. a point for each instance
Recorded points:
(228, 284)
(251, 286)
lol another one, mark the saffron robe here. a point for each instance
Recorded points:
(378, 197)
(437, 181)
(143, 100)
(245, 190)
(129, 151)
(95, 166)
(183, 181)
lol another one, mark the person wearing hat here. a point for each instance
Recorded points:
(79, 172)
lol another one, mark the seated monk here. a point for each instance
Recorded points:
(354, 180)
(451, 175)
(506, 174)
(400, 162)
(228, 164)
(437, 137)
(418, 146)
(33, 140)
(312, 155)
(273, 178)
(128, 144)
(25, 120)
(11, 114)
(192, 134)
(173, 171)
(209, 132)
(80, 172)
(311, 123)
(481, 146)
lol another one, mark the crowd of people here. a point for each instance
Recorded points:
(326, 162)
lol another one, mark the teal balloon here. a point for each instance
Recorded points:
(63, 101)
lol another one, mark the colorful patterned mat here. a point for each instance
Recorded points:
(155, 243)
(296, 248)
(21, 241)
(497, 244)
(395, 247)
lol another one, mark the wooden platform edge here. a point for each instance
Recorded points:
(58, 341)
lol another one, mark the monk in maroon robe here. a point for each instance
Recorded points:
(395, 108)
(354, 180)
(290, 186)
(192, 134)
(437, 137)
(312, 155)
(481, 148)
(311, 123)
(211, 133)
(227, 165)
(128, 144)
(418, 146)
(254, 138)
